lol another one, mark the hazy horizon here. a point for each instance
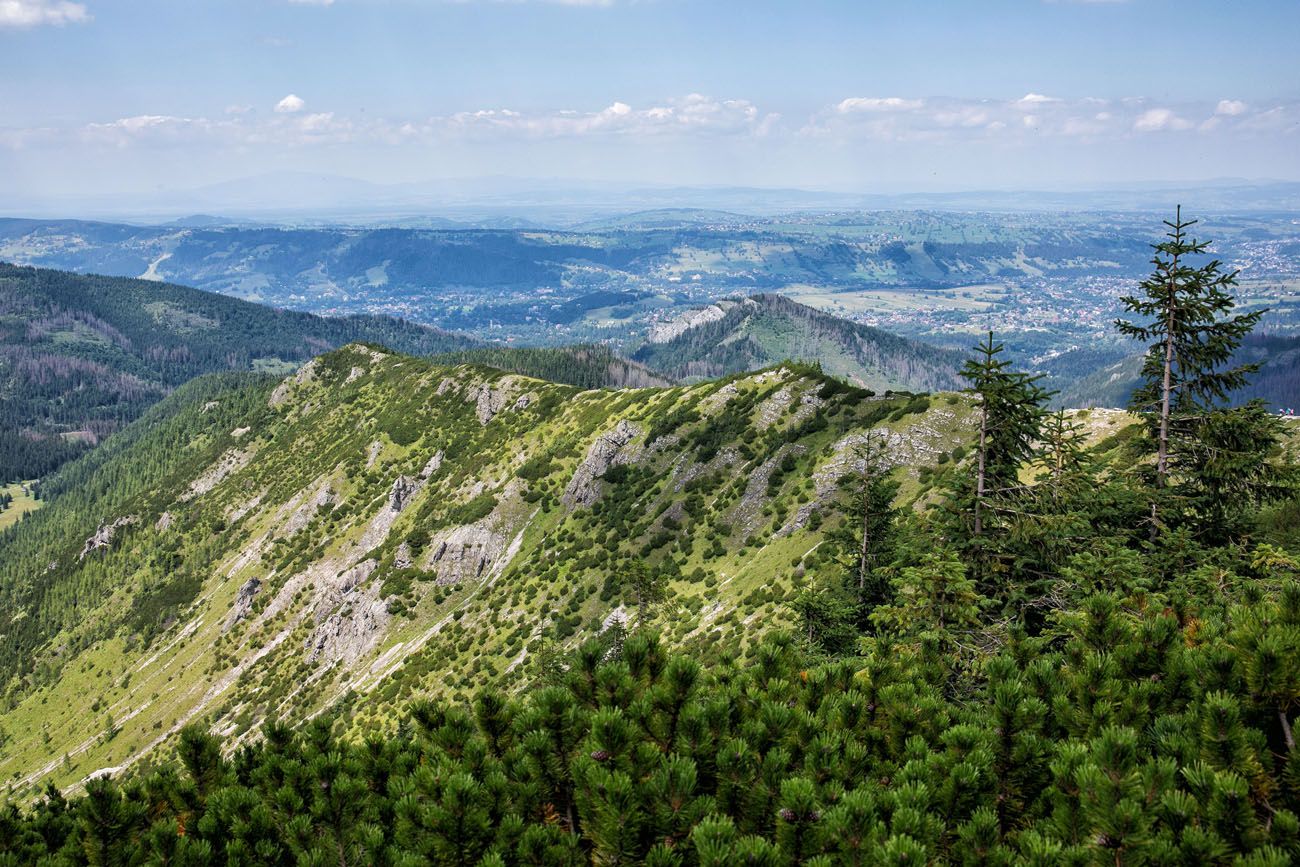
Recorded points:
(151, 99)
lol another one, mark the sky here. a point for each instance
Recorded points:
(101, 97)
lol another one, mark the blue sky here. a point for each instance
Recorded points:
(101, 96)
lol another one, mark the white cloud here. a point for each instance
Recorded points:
(692, 113)
(290, 104)
(1158, 120)
(694, 117)
(33, 13)
(877, 103)
(1230, 107)
(1033, 99)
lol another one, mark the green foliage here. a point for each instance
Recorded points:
(1210, 461)
(1122, 739)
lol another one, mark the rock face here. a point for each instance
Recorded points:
(464, 553)
(748, 515)
(103, 537)
(305, 374)
(244, 601)
(667, 331)
(610, 449)
(302, 514)
(164, 523)
(492, 398)
(350, 619)
(231, 462)
(400, 494)
(433, 465)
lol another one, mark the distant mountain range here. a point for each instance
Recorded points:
(317, 197)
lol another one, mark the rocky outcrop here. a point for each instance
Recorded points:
(244, 601)
(103, 537)
(433, 465)
(665, 332)
(610, 449)
(771, 409)
(231, 462)
(402, 556)
(301, 514)
(350, 618)
(305, 375)
(164, 522)
(400, 494)
(464, 553)
(492, 398)
(747, 517)
(720, 398)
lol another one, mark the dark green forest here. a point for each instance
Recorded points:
(81, 356)
(590, 365)
(766, 329)
(1069, 656)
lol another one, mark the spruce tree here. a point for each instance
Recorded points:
(1011, 416)
(1185, 316)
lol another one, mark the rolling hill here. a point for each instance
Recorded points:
(736, 335)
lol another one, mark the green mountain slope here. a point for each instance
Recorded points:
(82, 355)
(378, 527)
(1277, 381)
(588, 365)
(733, 336)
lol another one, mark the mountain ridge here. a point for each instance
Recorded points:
(733, 335)
(379, 526)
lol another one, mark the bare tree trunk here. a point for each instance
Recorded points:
(866, 541)
(1286, 730)
(979, 476)
(1166, 385)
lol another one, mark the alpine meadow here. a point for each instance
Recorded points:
(426, 439)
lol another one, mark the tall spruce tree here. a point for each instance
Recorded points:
(866, 541)
(1011, 414)
(1207, 457)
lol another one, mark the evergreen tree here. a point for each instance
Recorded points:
(1185, 316)
(868, 537)
(1011, 416)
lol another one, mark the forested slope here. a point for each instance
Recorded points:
(732, 336)
(80, 355)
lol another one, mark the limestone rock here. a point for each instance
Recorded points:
(244, 600)
(432, 466)
(610, 449)
(231, 462)
(350, 620)
(103, 537)
(400, 494)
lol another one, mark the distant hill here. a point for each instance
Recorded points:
(82, 355)
(745, 334)
(1276, 382)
